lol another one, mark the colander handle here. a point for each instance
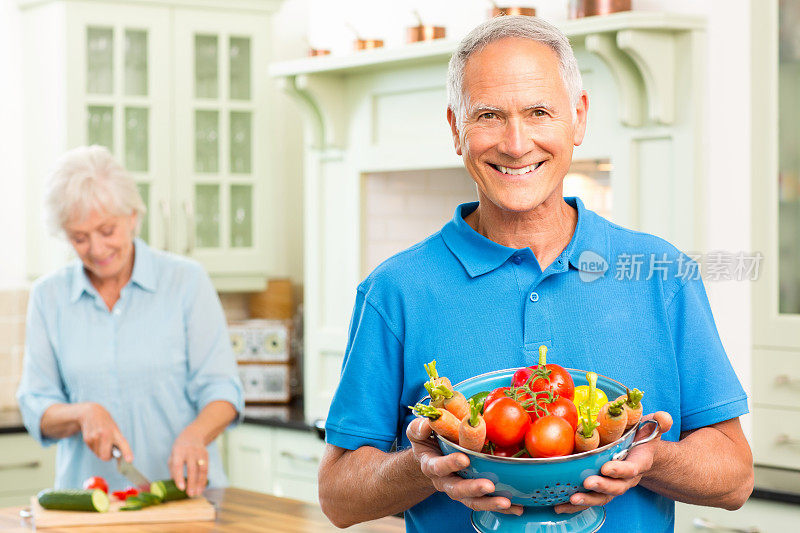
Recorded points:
(620, 456)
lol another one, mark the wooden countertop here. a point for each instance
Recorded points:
(239, 511)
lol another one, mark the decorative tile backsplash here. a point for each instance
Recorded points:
(13, 305)
(403, 208)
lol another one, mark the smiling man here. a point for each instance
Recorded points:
(504, 277)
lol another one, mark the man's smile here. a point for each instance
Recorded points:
(516, 171)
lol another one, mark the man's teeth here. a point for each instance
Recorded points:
(517, 171)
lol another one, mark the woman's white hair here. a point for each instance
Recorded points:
(87, 179)
(503, 27)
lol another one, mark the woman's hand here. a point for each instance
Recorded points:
(189, 451)
(618, 476)
(100, 432)
(441, 469)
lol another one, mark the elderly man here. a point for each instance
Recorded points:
(502, 278)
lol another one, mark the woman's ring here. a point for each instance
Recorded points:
(201, 462)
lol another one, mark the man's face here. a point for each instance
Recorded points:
(519, 131)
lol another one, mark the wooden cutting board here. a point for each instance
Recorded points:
(191, 510)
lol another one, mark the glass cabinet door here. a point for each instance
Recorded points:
(124, 48)
(789, 158)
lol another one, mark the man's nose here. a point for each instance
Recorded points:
(517, 140)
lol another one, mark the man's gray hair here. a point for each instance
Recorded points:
(87, 179)
(503, 27)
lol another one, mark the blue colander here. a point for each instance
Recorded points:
(540, 484)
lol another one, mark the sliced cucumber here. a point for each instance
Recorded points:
(167, 490)
(74, 500)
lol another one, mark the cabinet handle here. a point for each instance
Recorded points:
(17, 466)
(188, 209)
(296, 457)
(784, 380)
(702, 523)
(785, 440)
(164, 206)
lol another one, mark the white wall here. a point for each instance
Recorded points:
(12, 185)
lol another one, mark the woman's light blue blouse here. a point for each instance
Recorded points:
(154, 361)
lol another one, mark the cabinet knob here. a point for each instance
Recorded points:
(785, 380)
(785, 440)
(26, 465)
(702, 523)
(297, 457)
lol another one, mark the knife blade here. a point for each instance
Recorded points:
(128, 470)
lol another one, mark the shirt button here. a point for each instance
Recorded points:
(534, 297)
(117, 312)
(517, 260)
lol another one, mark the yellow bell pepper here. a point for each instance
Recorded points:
(581, 398)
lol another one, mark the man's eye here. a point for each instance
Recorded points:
(539, 113)
(488, 116)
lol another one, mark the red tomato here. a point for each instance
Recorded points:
(511, 451)
(565, 409)
(550, 436)
(95, 482)
(521, 376)
(558, 380)
(506, 422)
(496, 394)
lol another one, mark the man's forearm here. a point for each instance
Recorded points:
(711, 466)
(366, 484)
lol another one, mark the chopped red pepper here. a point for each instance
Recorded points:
(123, 494)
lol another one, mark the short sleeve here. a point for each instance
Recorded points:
(710, 390)
(41, 385)
(212, 366)
(364, 411)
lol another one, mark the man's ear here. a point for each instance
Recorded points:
(451, 118)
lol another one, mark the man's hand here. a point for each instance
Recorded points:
(441, 469)
(189, 450)
(100, 432)
(618, 476)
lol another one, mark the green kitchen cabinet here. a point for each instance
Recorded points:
(179, 94)
(278, 461)
(756, 516)
(25, 468)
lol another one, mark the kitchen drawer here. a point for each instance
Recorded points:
(297, 453)
(765, 516)
(25, 467)
(296, 489)
(776, 437)
(249, 458)
(776, 378)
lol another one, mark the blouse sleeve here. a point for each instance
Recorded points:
(212, 366)
(41, 385)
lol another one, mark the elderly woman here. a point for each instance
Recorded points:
(127, 346)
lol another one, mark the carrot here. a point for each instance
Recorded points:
(439, 394)
(442, 421)
(587, 437)
(435, 380)
(611, 419)
(472, 430)
(633, 406)
(457, 404)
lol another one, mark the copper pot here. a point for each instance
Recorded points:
(589, 8)
(368, 44)
(528, 11)
(313, 52)
(423, 32)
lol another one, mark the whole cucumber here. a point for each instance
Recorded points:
(74, 500)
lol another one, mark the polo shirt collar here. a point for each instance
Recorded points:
(480, 255)
(143, 273)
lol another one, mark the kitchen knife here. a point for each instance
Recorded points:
(129, 471)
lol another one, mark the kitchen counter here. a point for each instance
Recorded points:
(290, 416)
(237, 511)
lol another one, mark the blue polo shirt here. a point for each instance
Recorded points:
(625, 304)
